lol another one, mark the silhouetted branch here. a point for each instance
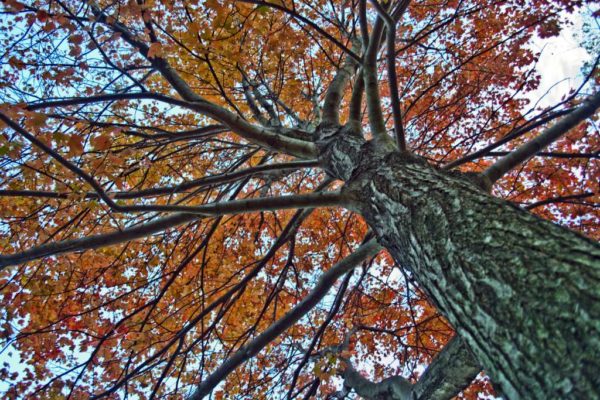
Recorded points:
(524, 152)
(325, 282)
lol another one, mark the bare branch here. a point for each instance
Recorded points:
(355, 107)
(326, 281)
(560, 199)
(335, 92)
(547, 137)
(97, 241)
(169, 190)
(376, 120)
(507, 138)
(373, 98)
(392, 76)
(261, 136)
(550, 154)
(186, 214)
(311, 200)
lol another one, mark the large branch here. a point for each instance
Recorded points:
(267, 138)
(187, 214)
(449, 373)
(238, 125)
(355, 106)
(374, 110)
(371, 85)
(392, 76)
(325, 282)
(97, 241)
(310, 200)
(335, 92)
(393, 388)
(169, 190)
(547, 137)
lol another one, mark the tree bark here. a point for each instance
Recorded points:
(522, 292)
(450, 372)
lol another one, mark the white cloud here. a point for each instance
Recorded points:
(560, 63)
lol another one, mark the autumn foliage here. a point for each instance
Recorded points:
(152, 316)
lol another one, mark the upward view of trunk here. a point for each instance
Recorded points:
(149, 150)
(522, 292)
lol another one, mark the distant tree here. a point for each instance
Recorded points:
(195, 196)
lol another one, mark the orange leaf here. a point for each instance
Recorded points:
(155, 50)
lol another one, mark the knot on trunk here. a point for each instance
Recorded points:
(340, 149)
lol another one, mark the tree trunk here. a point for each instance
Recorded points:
(522, 292)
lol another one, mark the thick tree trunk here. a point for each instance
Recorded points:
(522, 292)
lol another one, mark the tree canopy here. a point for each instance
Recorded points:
(169, 227)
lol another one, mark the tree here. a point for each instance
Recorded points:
(195, 197)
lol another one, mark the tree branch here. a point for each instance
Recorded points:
(355, 107)
(335, 92)
(267, 138)
(308, 22)
(374, 110)
(550, 154)
(507, 138)
(450, 372)
(527, 150)
(169, 190)
(97, 241)
(186, 214)
(325, 282)
(63, 161)
(560, 199)
(310, 200)
(391, 70)
(238, 125)
(252, 104)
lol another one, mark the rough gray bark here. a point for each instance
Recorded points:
(449, 373)
(522, 292)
